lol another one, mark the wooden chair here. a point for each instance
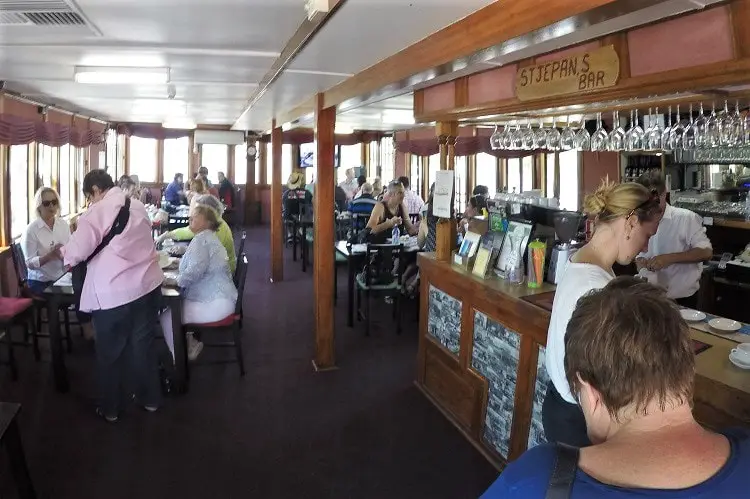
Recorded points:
(231, 324)
(14, 312)
(39, 303)
(378, 277)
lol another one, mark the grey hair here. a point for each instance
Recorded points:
(209, 201)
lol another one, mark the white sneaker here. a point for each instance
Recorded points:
(195, 348)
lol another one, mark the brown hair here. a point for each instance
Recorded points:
(210, 214)
(197, 186)
(653, 180)
(612, 201)
(629, 342)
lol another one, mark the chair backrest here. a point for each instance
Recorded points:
(19, 265)
(380, 263)
(241, 249)
(176, 222)
(242, 277)
(359, 221)
(414, 217)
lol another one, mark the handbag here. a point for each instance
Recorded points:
(564, 473)
(78, 272)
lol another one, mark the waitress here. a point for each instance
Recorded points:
(626, 215)
(674, 255)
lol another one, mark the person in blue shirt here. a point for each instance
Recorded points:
(361, 206)
(175, 191)
(630, 362)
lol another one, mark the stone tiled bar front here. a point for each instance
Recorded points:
(481, 362)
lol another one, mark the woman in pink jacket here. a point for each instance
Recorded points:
(122, 291)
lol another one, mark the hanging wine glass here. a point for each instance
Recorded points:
(675, 135)
(713, 129)
(739, 126)
(634, 136)
(688, 138)
(600, 139)
(667, 132)
(583, 138)
(496, 139)
(617, 135)
(540, 136)
(699, 129)
(553, 137)
(517, 137)
(568, 138)
(527, 137)
(507, 137)
(726, 125)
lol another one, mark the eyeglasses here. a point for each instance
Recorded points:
(51, 202)
(654, 196)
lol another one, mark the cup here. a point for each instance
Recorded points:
(742, 353)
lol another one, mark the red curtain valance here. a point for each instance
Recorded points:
(465, 146)
(15, 130)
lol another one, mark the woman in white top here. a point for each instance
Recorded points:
(626, 215)
(42, 238)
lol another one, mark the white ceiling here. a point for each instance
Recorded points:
(217, 53)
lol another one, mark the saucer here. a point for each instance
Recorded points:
(737, 362)
(692, 315)
(725, 325)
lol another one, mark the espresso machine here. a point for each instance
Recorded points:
(566, 227)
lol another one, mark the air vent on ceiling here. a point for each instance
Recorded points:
(42, 13)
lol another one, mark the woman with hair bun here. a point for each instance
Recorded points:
(626, 216)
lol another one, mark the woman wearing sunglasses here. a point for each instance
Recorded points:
(626, 216)
(42, 238)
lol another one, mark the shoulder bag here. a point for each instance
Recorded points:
(564, 473)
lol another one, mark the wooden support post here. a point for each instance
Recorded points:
(250, 187)
(277, 224)
(324, 236)
(446, 228)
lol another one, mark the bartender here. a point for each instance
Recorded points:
(675, 252)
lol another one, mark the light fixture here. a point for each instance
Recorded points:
(121, 75)
(179, 123)
(398, 117)
(286, 127)
(163, 108)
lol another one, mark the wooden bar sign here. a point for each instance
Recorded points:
(576, 74)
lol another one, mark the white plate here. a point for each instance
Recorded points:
(737, 362)
(692, 315)
(725, 325)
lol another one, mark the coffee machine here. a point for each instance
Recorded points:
(566, 227)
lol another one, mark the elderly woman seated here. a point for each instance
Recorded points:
(204, 276)
(223, 232)
(630, 363)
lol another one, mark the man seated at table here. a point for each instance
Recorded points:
(364, 204)
(174, 193)
(223, 232)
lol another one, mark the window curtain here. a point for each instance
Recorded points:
(15, 130)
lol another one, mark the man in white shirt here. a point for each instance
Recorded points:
(675, 252)
(350, 184)
(413, 201)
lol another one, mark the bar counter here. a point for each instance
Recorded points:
(481, 361)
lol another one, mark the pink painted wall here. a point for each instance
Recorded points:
(439, 97)
(688, 41)
(497, 84)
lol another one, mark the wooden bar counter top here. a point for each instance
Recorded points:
(481, 361)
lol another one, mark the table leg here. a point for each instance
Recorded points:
(181, 373)
(12, 443)
(59, 371)
(350, 291)
(304, 247)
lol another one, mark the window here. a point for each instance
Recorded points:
(240, 164)
(269, 163)
(551, 167)
(214, 157)
(350, 157)
(258, 165)
(433, 167)
(416, 175)
(143, 160)
(375, 161)
(527, 173)
(79, 161)
(67, 171)
(514, 175)
(569, 180)
(111, 161)
(45, 164)
(19, 189)
(120, 164)
(176, 158)
(286, 162)
(460, 172)
(487, 172)
(387, 158)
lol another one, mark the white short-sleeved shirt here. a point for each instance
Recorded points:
(578, 279)
(680, 230)
(38, 240)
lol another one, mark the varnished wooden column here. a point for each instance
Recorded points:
(446, 227)
(277, 224)
(325, 144)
